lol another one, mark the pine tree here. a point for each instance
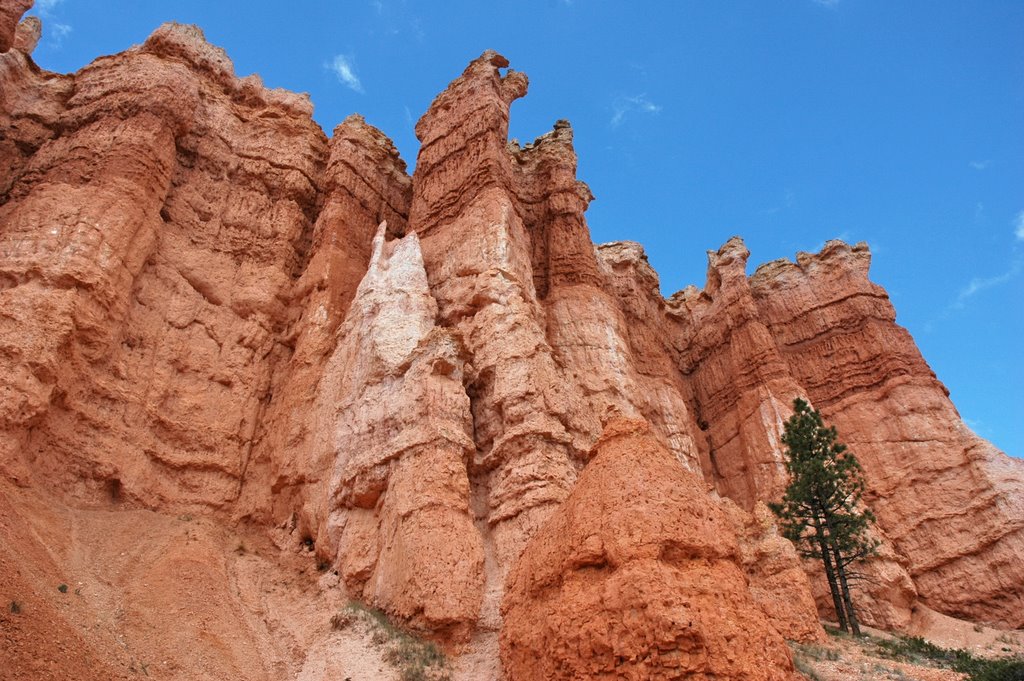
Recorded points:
(821, 511)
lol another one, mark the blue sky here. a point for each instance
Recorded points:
(787, 122)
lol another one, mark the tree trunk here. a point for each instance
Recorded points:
(847, 601)
(826, 559)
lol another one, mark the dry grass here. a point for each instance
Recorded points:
(414, 658)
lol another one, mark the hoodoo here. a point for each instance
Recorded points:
(217, 322)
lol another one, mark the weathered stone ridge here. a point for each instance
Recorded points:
(439, 386)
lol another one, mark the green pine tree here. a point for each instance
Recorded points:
(820, 511)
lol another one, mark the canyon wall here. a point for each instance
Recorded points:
(207, 306)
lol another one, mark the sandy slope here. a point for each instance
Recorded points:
(153, 596)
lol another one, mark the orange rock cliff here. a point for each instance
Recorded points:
(215, 321)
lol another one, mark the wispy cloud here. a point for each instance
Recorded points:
(46, 7)
(978, 426)
(58, 32)
(787, 202)
(395, 18)
(344, 70)
(623, 106)
(980, 165)
(831, 4)
(54, 31)
(979, 284)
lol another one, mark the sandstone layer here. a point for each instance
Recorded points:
(208, 308)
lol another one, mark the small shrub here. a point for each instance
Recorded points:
(1007, 669)
(805, 668)
(414, 658)
(1007, 638)
(919, 651)
(63, 588)
(804, 654)
(815, 652)
(15, 607)
(342, 620)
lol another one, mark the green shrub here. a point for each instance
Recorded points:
(917, 650)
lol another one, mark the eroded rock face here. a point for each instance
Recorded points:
(948, 501)
(636, 576)
(777, 583)
(396, 429)
(148, 260)
(742, 388)
(10, 15)
(209, 307)
(27, 35)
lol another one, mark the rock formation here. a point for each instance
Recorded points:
(10, 15)
(637, 576)
(777, 583)
(207, 307)
(948, 501)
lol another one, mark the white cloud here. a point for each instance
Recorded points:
(980, 165)
(54, 31)
(60, 31)
(57, 32)
(831, 4)
(45, 7)
(979, 284)
(343, 69)
(1018, 226)
(624, 105)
